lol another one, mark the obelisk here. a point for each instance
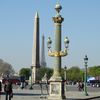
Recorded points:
(43, 61)
(35, 49)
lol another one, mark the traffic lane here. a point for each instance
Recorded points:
(75, 88)
(68, 87)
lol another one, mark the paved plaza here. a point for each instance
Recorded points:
(34, 94)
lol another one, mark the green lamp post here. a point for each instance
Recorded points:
(56, 81)
(85, 77)
(65, 76)
(65, 73)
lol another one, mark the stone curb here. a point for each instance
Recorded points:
(44, 95)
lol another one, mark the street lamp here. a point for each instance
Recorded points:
(57, 53)
(85, 77)
(66, 41)
(31, 78)
(56, 81)
(49, 42)
(65, 74)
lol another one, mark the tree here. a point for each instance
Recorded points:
(74, 74)
(25, 72)
(44, 70)
(6, 68)
(94, 71)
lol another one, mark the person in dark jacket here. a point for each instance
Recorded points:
(8, 90)
(82, 86)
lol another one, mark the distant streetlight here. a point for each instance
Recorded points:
(85, 77)
(65, 74)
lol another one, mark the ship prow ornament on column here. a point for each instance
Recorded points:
(57, 91)
(35, 49)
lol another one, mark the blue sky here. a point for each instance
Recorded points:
(81, 24)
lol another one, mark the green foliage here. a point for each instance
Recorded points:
(94, 71)
(44, 70)
(25, 72)
(74, 74)
(82, 75)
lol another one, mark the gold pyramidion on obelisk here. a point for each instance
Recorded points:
(35, 49)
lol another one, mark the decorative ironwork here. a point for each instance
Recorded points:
(57, 53)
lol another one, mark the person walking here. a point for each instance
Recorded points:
(82, 86)
(79, 86)
(8, 90)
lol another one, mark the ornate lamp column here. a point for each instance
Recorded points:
(85, 77)
(56, 81)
